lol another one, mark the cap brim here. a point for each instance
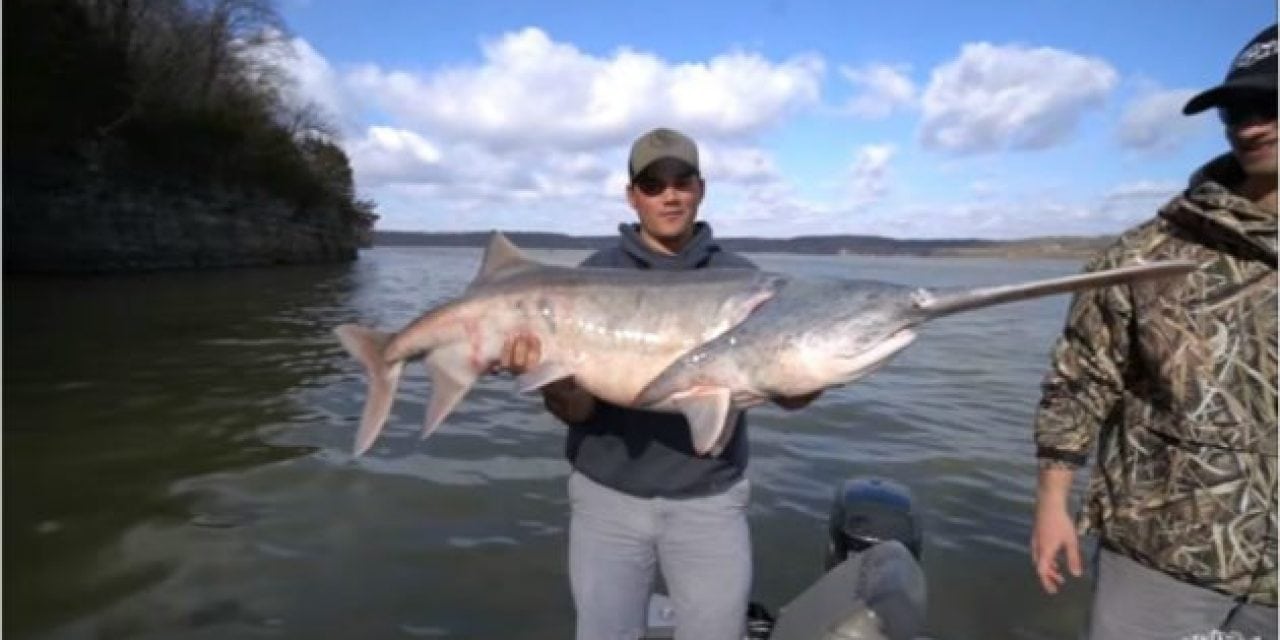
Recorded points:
(1202, 101)
(667, 166)
(1217, 96)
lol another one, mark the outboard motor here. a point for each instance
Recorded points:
(867, 511)
(873, 588)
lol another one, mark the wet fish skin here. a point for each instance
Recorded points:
(818, 334)
(613, 330)
(705, 343)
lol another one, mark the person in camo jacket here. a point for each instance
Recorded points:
(1174, 382)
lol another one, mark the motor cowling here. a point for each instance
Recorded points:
(866, 511)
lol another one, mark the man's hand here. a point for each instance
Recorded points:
(791, 403)
(520, 353)
(563, 398)
(1054, 532)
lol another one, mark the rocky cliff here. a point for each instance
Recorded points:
(100, 227)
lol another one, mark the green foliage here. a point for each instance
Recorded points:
(162, 92)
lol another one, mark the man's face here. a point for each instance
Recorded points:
(666, 196)
(1251, 130)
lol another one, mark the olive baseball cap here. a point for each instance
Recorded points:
(659, 144)
(1252, 71)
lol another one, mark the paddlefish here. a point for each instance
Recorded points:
(818, 334)
(613, 330)
(706, 343)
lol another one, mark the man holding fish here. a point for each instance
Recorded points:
(641, 496)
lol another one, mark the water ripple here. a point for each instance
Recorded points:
(190, 468)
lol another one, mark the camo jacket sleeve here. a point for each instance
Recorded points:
(1085, 381)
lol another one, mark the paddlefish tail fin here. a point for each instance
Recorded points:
(368, 346)
(940, 303)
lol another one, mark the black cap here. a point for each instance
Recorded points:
(1253, 71)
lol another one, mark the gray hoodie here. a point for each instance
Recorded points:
(644, 453)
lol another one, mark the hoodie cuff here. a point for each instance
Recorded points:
(1057, 457)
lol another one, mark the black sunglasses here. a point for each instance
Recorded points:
(1235, 114)
(653, 186)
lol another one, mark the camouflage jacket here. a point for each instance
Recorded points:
(1175, 382)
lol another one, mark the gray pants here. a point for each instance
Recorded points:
(1133, 602)
(702, 546)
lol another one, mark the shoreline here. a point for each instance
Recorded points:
(1002, 253)
(1048, 247)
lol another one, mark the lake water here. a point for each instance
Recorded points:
(176, 462)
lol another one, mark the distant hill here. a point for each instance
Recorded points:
(1047, 247)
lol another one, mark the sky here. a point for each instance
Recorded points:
(906, 119)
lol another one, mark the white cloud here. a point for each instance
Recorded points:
(539, 128)
(533, 91)
(982, 188)
(1025, 215)
(387, 155)
(541, 204)
(884, 89)
(772, 206)
(310, 82)
(773, 209)
(998, 97)
(534, 137)
(318, 80)
(868, 177)
(1005, 219)
(1135, 201)
(1143, 189)
(742, 165)
(1154, 122)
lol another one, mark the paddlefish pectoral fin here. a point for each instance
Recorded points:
(708, 411)
(367, 346)
(452, 376)
(542, 375)
(726, 433)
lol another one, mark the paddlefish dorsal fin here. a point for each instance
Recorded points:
(501, 258)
